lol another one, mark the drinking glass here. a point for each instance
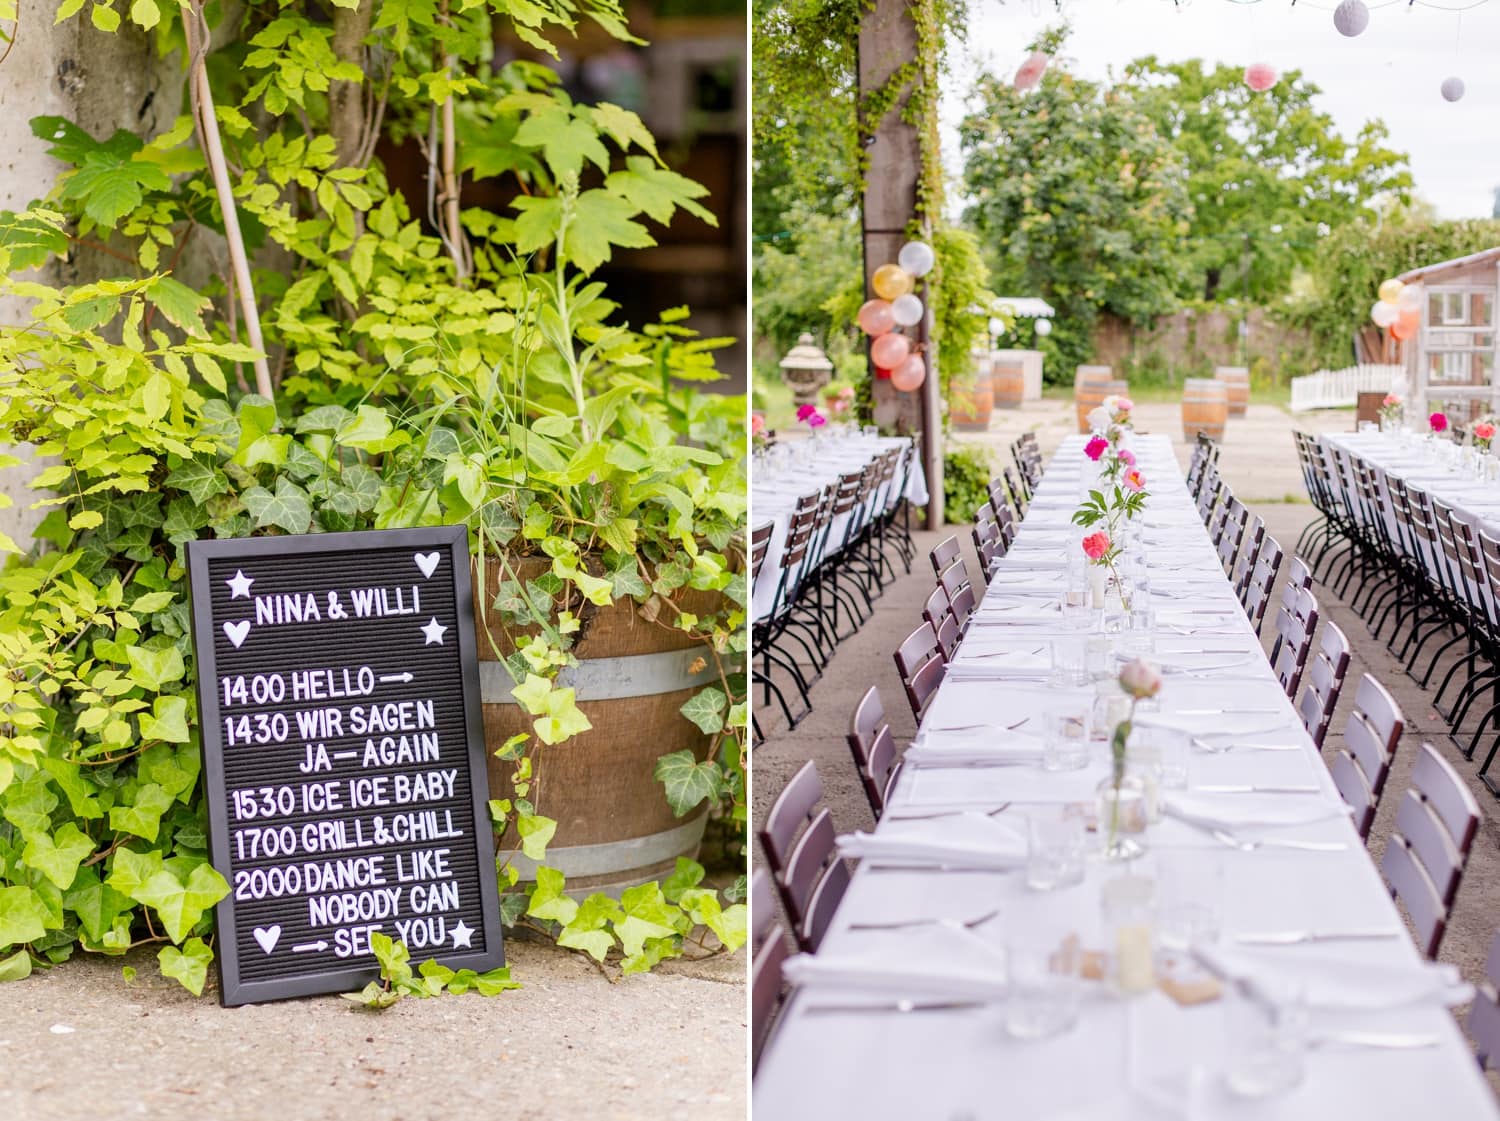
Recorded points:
(1056, 847)
(1045, 987)
(1068, 666)
(1066, 747)
(1265, 1044)
(1192, 900)
(1141, 637)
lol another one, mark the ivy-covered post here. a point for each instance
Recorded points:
(892, 75)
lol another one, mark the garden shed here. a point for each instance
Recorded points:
(1450, 364)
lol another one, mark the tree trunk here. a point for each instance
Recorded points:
(1210, 283)
(346, 100)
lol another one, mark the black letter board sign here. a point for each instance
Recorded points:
(343, 749)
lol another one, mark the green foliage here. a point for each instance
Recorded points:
(398, 980)
(966, 477)
(508, 399)
(960, 301)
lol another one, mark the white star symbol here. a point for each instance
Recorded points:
(462, 935)
(239, 585)
(434, 632)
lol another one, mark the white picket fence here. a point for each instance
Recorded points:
(1332, 389)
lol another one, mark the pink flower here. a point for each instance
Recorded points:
(757, 423)
(1095, 447)
(1391, 399)
(1140, 679)
(805, 411)
(1134, 480)
(1126, 456)
(1484, 431)
(817, 420)
(1123, 404)
(1095, 545)
(1439, 422)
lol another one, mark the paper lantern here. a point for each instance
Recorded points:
(876, 318)
(917, 258)
(910, 374)
(1384, 314)
(1410, 298)
(1452, 88)
(890, 351)
(1260, 76)
(1390, 290)
(1044, 327)
(1351, 17)
(1031, 71)
(908, 310)
(891, 282)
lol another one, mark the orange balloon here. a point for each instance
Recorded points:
(876, 317)
(890, 350)
(891, 282)
(910, 374)
(1406, 324)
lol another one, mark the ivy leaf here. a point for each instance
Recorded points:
(687, 781)
(180, 304)
(142, 816)
(325, 418)
(548, 901)
(633, 932)
(595, 943)
(288, 508)
(96, 904)
(58, 855)
(188, 965)
(17, 967)
(182, 903)
(705, 708)
(536, 832)
(688, 874)
(152, 669)
(166, 721)
(198, 481)
(22, 916)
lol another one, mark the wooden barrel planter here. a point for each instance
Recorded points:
(1205, 408)
(615, 828)
(1089, 395)
(1236, 380)
(971, 401)
(1008, 384)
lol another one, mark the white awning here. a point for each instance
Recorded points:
(1024, 307)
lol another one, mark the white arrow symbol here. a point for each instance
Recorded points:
(401, 677)
(305, 946)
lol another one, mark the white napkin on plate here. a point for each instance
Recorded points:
(971, 840)
(1242, 811)
(942, 960)
(1327, 980)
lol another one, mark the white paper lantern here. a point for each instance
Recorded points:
(907, 309)
(1044, 327)
(1384, 314)
(916, 257)
(1453, 89)
(1351, 17)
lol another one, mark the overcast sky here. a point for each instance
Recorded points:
(1392, 71)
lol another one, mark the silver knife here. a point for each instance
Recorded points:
(896, 1006)
(1389, 1041)
(1248, 788)
(1223, 712)
(1298, 937)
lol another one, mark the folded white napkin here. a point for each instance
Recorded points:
(970, 840)
(1180, 663)
(1219, 724)
(975, 651)
(942, 960)
(1243, 811)
(981, 745)
(1327, 980)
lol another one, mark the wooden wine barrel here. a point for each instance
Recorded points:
(971, 400)
(1205, 408)
(615, 828)
(1091, 394)
(1092, 373)
(1008, 384)
(1237, 380)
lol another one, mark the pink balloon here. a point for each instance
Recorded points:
(910, 374)
(1031, 70)
(1260, 76)
(890, 351)
(876, 317)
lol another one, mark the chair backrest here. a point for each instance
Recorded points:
(1484, 1017)
(826, 897)
(1244, 564)
(813, 857)
(1323, 682)
(999, 496)
(760, 543)
(1362, 765)
(988, 542)
(961, 605)
(1426, 855)
(1018, 494)
(762, 907)
(1262, 580)
(944, 554)
(790, 813)
(1294, 630)
(874, 749)
(765, 990)
(921, 668)
(954, 577)
(938, 616)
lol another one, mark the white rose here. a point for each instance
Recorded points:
(1140, 679)
(1099, 419)
(1111, 403)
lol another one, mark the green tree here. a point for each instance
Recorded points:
(1269, 175)
(1079, 199)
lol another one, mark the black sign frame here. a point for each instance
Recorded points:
(454, 539)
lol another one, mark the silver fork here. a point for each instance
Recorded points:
(967, 924)
(1001, 808)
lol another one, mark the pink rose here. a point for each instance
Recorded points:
(757, 423)
(1134, 480)
(1484, 431)
(1439, 422)
(817, 420)
(805, 411)
(1095, 447)
(1124, 404)
(1095, 545)
(1391, 399)
(1140, 679)
(1126, 456)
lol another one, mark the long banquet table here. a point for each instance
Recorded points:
(1127, 1057)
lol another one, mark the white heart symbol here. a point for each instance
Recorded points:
(237, 632)
(267, 936)
(427, 562)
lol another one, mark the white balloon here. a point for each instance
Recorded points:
(1453, 89)
(1044, 327)
(907, 309)
(1351, 17)
(916, 257)
(1384, 314)
(1411, 298)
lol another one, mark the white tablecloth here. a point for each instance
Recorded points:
(817, 463)
(962, 1064)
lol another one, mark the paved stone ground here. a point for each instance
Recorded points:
(668, 1045)
(1266, 467)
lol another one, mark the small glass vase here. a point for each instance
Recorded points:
(1123, 817)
